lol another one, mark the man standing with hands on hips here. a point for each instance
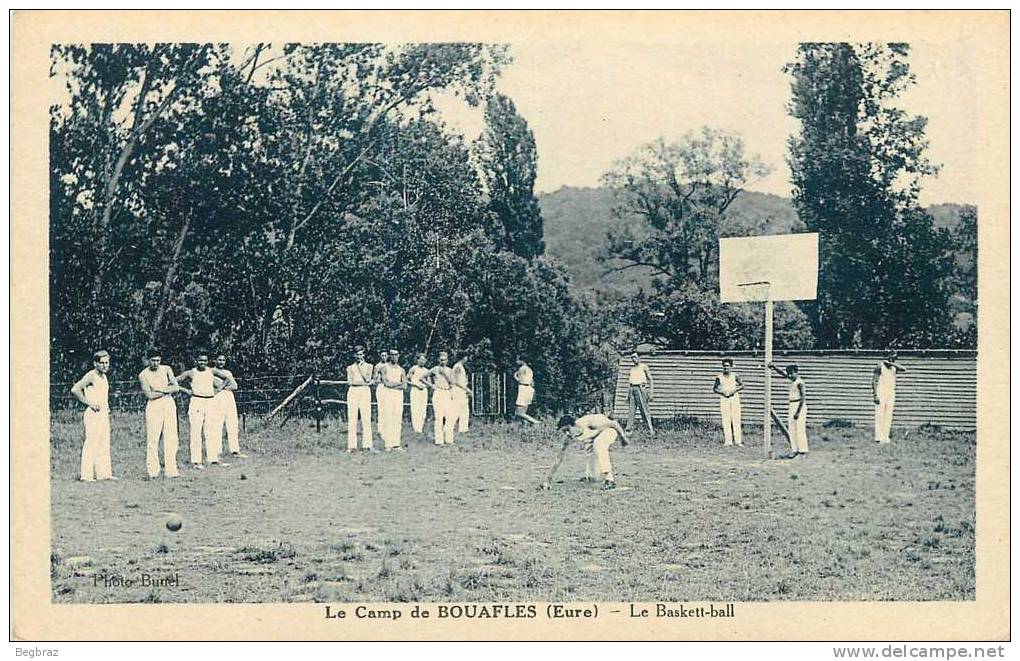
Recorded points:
(201, 409)
(93, 390)
(226, 410)
(728, 386)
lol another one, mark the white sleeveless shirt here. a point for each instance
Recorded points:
(886, 379)
(202, 382)
(728, 383)
(638, 377)
(98, 392)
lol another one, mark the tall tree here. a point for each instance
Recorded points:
(857, 167)
(508, 162)
(683, 191)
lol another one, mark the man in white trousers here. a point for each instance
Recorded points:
(391, 402)
(93, 390)
(202, 411)
(419, 393)
(461, 395)
(883, 390)
(440, 382)
(796, 418)
(158, 385)
(595, 432)
(359, 401)
(728, 386)
(226, 411)
(377, 382)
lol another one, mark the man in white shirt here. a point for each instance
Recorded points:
(419, 393)
(158, 385)
(525, 379)
(440, 382)
(595, 432)
(359, 401)
(377, 382)
(641, 390)
(93, 390)
(728, 386)
(226, 411)
(202, 411)
(883, 390)
(796, 419)
(391, 401)
(461, 395)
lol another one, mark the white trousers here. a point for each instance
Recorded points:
(201, 422)
(95, 452)
(598, 463)
(359, 406)
(419, 406)
(729, 408)
(226, 415)
(797, 428)
(883, 416)
(161, 420)
(461, 409)
(391, 415)
(442, 405)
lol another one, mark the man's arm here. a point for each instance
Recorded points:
(78, 390)
(899, 368)
(772, 366)
(740, 385)
(874, 382)
(800, 404)
(717, 387)
(651, 384)
(175, 385)
(619, 430)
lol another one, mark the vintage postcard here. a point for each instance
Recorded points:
(510, 325)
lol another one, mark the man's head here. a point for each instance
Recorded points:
(394, 356)
(792, 371)
(727, 365)
(566, 423)
(444, 358)
(384, 356)
(890, 357)
(635, 357)
(359, 353)
(152, 358)
(421, 360)
(221, 360)
(101, 359)
(202, 361)
(521, 362)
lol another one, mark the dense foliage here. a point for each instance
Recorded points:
(285, 203)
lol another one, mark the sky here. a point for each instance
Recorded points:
(590, 104)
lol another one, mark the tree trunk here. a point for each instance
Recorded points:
(171, 272)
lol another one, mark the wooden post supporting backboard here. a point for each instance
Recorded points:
(768, 378)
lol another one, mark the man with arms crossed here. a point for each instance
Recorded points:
(419, 393)
(359, 401)
(158, 385)
(595, 432)
(202, 411)
(525, 379)
(641, 390)
(728, 386)
(883, 389)
(93, 390)
(226, 411)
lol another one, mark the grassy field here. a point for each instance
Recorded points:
(298, 520)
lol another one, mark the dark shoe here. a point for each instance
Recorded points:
(587, 479)
(608, 484)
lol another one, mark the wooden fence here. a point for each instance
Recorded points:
(938, 387)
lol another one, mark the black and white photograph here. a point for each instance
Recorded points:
(514, 327)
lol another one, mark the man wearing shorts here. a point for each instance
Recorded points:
(525, 379)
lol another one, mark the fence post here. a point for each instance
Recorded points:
(318, 404)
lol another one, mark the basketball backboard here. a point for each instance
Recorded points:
(779, 267)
